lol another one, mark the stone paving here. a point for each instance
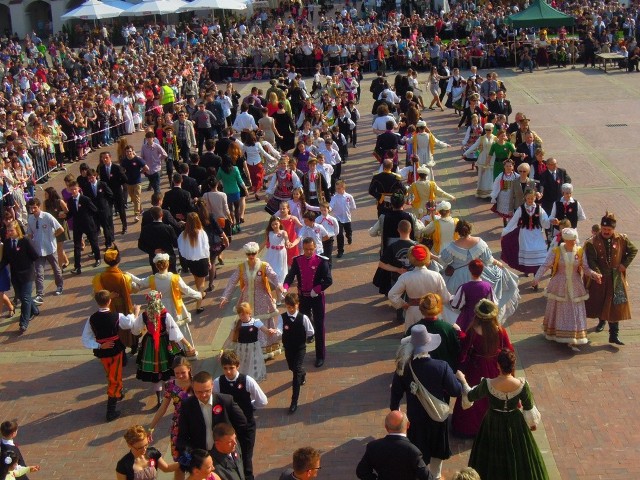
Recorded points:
(55, 388)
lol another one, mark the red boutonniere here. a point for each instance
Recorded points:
(286, 327)
(152, 463)
(239, 386)
(569, 210)
(612, 246)
(217, 410)
(251, 329)
(259, 274)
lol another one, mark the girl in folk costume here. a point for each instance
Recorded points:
(502, 195)
(484, 161)
(424, 145)
(349, 85)
(290, 224)
(158, 346)
(281, 186)
(523, 240)
(276, 242)
(255, 278)
(470, 293)
(565, 317)
(121, 285)
(173, 290)
(243, 339)
(422, 194)
(473, 133)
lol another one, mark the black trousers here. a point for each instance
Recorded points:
(184, 150)
(327, 247)
(345, 229)
(246, 445)
(314, 309)
(92, 236)
(295, 360)
(337, 171)
(118, 205)
(105, 221)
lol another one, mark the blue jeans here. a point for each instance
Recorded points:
(154, 181)
(23, 291)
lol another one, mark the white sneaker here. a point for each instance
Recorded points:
(38, 300)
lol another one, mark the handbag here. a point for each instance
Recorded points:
(437, 410)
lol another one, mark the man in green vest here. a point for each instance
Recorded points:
(167, 97)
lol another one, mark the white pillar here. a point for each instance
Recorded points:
(58, 8)
(19, 19)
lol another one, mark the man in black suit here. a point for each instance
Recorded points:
(226, 454)
(210, 158)
(167, 218)
(445, 73)
(528, 148)
(113, 175)
(157, 237)
(195, 171)
(189, 184)
(306, 465)
(222, 145)
(313, 276)
(551, 184)
(102, 197)
(498, 104)
(178, 200)
(200, 413)
(20, 254)
(83, 212)
(393, 457)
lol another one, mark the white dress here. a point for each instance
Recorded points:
(276, 254)
(485, 173)
(532, 244)
(250, 354)
(163, 285)
(127, 106)
(502, 194)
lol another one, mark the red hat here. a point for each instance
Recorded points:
(420, 252)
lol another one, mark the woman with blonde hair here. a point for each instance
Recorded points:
(193, 245)
(142, 461)
(485, 339)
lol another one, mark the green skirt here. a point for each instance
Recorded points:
(155, 366)
(505, 449)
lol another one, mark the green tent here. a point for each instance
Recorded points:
(540, 14)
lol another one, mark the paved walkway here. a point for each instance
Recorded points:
(55, 388)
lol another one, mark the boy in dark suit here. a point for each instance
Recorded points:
(20, 254)
(297, 331)
(102, 197)
(83, 211)
(113, 175)
(9, 430)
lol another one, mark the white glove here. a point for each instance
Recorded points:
(313, 294)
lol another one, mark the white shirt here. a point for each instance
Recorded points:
(244, 121)
(317, 232)
(89, 338)
(341, 206)
(42, 230)
(197, 252)
(207, 413)
(258, 398)
(329, 223)
(380, 123)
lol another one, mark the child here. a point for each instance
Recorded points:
(290, 224)
(313, 230)
(330, 224)
(170, 144)
(275, 242)
(296, 331)
(9, 430)
(557, 238)
(9, 468)
(341, 205)
(340, 139)
(101, 334)
(324, 168)
(247, 394)
(298, 206)
(243, 339)
(175, 391)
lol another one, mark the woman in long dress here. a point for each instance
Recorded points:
(565, 317)
(471, 136)
(485, 168)
(504, 448)
(484, 340)
(127, 107)
(276, 242)
(459, 253)
(285, 128)
(523, 242)
(424, 143)
(173, 290)
(268, 126)
(256, 279)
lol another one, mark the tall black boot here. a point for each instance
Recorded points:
(159, 398)
(614, 328)
(112, 413)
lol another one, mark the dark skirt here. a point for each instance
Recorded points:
(199, 268)
(5, 280)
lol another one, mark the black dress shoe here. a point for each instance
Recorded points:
(339, 255)
(615, 340)
(304, 379)
(76, 271)
(293, 407)
(319, 362)
(600, 326)
(97, 264)
(124, 231)
(22, 330)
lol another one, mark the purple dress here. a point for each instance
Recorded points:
(467, 297)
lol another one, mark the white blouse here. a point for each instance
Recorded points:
(197, 252)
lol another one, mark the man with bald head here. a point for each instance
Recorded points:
(393, 457)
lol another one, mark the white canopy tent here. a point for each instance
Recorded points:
(152, 7)
(92, 10)
(213, 4)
